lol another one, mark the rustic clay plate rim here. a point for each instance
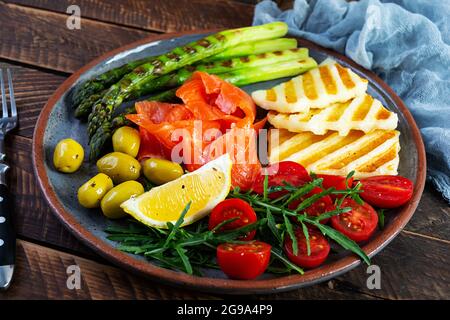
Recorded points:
(146, 268)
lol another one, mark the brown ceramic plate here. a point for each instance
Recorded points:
(57, 121)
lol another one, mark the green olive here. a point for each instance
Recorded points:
(126, 140)
(68, 156)
(91, 193)
(116, 196)
(120, 167)
(161, 171)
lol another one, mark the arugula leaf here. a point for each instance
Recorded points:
(306, 233)
(341, 239)
(335, 212)
(279, 255)
(309, 201)
(175, 227)
(381, 219)
(265, 186)
(305, 189)
(182, 253)
(273, 227)
(290, 231)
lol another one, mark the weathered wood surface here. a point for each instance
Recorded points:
(42, 53)
(41, 38)
(156, 15)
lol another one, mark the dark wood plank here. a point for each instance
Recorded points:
(41, 273)
(41, 38)
(32, 89)
(411, 268)
(159, 15)
(432, 217)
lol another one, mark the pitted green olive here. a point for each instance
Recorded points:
(120, 167)
(126, 140)
(68, 156)
(116, 196)
(161, 171)
(91, 193)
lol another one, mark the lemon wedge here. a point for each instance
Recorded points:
(204, 188)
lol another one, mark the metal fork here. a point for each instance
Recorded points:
(7, 234)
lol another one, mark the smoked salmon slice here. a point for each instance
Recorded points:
(214, 115)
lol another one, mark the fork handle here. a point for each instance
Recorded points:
(7, 234)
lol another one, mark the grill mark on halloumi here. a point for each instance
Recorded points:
(271, 95)
(364, 148)
(382, 114)
(309, 87)
(368, 154)
(291, 96)
(327, 79)
(362, 113)
(296, 142)
(381, 159)
(317, 88)
(328, 145)
(345, 76)
(363, 109)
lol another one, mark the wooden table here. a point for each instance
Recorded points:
(43, 52)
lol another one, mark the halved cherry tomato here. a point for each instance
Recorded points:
(243, 261)
(386, 191)
(359, 223)
(318, 244)
(233, 208)
(320, 206)
(279, 174)
(338, 182)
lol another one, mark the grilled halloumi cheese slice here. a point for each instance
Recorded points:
(368, 154)
(361, 113)
(317, 88)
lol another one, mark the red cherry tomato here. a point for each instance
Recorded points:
(233, 208)
(318, 244)
(243, 261)
(322, 205)
(359, 223)
(338, 182)
(386, 191)
(279, 174)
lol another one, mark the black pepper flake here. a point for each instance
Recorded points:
(204, 43)
(183, 186)
(219, 37)
(173, 56)
(227, 63)
(189, 50)
(139, 70)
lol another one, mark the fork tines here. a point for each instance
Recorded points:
(9, 117)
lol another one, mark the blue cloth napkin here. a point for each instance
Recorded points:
(406, 42)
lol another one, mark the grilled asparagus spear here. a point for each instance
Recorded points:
(175, 59)
(238, 77)
(103, 81)
(255, 47)
(178, 77)
(83, 94)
